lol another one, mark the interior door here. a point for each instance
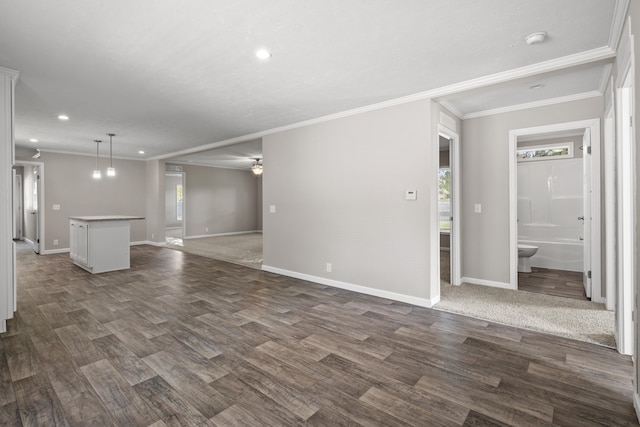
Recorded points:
(586, 213)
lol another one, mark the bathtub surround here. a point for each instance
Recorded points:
(581, 320)
(550, 201)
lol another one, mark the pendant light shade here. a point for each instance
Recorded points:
(96, 173)
(110, 170)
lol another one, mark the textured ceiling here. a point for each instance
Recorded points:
(168, 76)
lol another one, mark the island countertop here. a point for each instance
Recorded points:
(106, 218)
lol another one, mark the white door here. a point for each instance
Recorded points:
(586, 212)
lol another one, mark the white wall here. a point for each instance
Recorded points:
(338, 190)
(220, 200)
(485, 180)
(69, 184)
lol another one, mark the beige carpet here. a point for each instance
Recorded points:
(581, 320)
(243, 249)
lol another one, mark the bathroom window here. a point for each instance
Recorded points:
(444, 199)
(545, 152)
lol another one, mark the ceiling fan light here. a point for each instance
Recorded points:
(257, 168)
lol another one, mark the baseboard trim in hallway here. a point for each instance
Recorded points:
(421, 302)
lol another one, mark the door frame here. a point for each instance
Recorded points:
(41, 201)
(454, 166)
(593, 125)
(18, 205)
(610, 193)
(626, 242)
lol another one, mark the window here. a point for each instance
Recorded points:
(545, 152)
(179, 202)
(444, 199)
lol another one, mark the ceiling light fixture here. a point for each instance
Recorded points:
(536, 87)
(535, 38)
(140, 151)
(33, 140)
(96, 173)
(257, 167)
(63, 117)
(263, 54)
(110, 170)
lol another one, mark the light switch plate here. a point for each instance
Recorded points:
(56, 207)
(477, 208)
(272, 208)
(411, 195)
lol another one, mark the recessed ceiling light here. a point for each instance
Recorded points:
(263, 54)
(33, 140)
(536, 87)
(63, 117)
(535, 38)
(140, 151)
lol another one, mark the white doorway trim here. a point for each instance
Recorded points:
(609, 153)
(626, 193)
(593, 127)
(454, 165)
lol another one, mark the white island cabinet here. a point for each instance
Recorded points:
(100, 243)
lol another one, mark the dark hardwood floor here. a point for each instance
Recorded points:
(559, 283)
(184, 340)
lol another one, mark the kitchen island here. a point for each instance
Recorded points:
(100, 243)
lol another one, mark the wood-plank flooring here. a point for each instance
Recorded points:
(560, 283)
(183, 340)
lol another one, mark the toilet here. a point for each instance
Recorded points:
(525, 252)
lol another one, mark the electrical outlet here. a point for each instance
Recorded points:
(328, 267)
(55, 242)
(153, 236)
(206, 229)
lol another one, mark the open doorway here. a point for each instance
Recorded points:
(448, 206)
(553, 211)
(574, 204)
(31, 220)
(174, 207)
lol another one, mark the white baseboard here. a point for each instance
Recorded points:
(55, 251)
(148, 242)
(483, 282)
(221, 234)
(66, 250)
(421, 302)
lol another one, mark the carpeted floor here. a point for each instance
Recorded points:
(581, 320)
(243, 249)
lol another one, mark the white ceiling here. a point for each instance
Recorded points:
(168, 76)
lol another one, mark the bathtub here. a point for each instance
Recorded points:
(560, 248)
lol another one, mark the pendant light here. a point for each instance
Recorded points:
(110, 170)
(257, 167)
(96, 172)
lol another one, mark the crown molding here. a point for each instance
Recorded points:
(617, 24)
(202, 164)
(15, 75)
(452, 109)
(71, 153)
(528, 105)
(543, 67)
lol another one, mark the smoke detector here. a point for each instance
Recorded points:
(535, 38)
